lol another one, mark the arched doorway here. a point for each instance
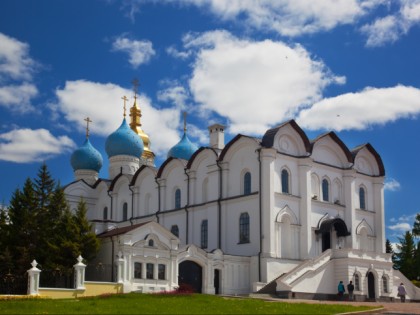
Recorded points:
(329, 225)
(371, 285)
(191, 273)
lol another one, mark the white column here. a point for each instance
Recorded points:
(79, 269)
(378, 204)
(305, 166)
(33, 277)
(349, 214)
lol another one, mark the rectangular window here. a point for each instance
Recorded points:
(137, 270)
(204, 234)
(149, 271)
(161, 272)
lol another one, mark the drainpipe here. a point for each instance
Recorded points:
(132, 204)
(260, 212)
(109, 194)
(156, 214)
(219, 207)
(112, 260)
(186, 206)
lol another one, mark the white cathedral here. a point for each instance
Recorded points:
(280, 214)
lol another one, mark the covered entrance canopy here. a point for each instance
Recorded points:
(338, 224)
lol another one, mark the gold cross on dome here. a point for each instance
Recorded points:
(87, 119)
(125, 100)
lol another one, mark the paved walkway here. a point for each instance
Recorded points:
(387, 308)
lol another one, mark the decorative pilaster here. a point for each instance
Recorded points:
(120, 268)
(33, 277)
(305, 166)
(350, 212)
(378, 204)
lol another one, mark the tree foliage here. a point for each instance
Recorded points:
(41, 226)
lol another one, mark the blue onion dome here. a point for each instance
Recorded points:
(86, 158)
(184, 149)
(124, 141)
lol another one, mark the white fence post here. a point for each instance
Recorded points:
(79, 269)
(120, 268)
(33, 277)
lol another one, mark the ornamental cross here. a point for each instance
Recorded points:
(125, 100)
(87, 119)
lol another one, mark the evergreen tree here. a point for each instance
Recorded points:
(42, 227)
(416, 226)
(389, 249)
(405, 255)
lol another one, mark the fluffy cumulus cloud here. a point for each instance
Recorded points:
(16, 72)
(103, 104)
(139, 51)
(390, 28)
(362, 109)
(402, 224)
(255, 84)
(27, 145)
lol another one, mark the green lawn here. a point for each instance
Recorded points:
(166, 304)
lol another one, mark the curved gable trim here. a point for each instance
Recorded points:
(136, 175)
(196, 153)
(115, 180)
(268, 138)
(375, 154)
(232, 142)
(337, 140)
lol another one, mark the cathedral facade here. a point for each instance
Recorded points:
(280, 213)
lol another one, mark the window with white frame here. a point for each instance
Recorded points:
(244, 228)
(177, 198)
(204, 234)
(362, 198)
(247, 183)
(285, 181)
(325, 190)
(125, 211)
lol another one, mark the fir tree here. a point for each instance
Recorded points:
(416, 226)
(389, 250)
(405, 255)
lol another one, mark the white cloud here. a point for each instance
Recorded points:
(16, 71)
(15, 62)
(286, 17)
(362, 109)
(172, 51)
(27, 145)
(175, 94)
(392, 185)
(402, 226)
(139, 51)
(18, 97)
(103, 104)
(390, 28)
(254, 84)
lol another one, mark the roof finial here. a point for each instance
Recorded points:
(125, 100)
(185, 121)
(136, 85)
(87, 119)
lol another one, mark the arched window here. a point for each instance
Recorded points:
(106, 213)
(151, 243)
(244, 228)
(356, 282)
(385, 283)
(247, 183)
(125, 211)
(285, 181)
(362, 198)
(177, 198)
(175, 230)
(204, 234)
(325, 190)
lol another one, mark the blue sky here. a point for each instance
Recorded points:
(351, 66)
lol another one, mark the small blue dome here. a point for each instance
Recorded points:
(124, 141)
(184, 149)
(86, 158)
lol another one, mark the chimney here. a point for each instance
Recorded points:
(217, 136)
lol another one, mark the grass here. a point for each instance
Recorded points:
(133, 303)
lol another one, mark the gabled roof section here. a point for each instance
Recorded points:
(191, 160)
(115, 180)
(268, 138)
(167, 161)
(133, 180)
(337, 140)
(121, 230)
(233, 141)
(375, 154)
